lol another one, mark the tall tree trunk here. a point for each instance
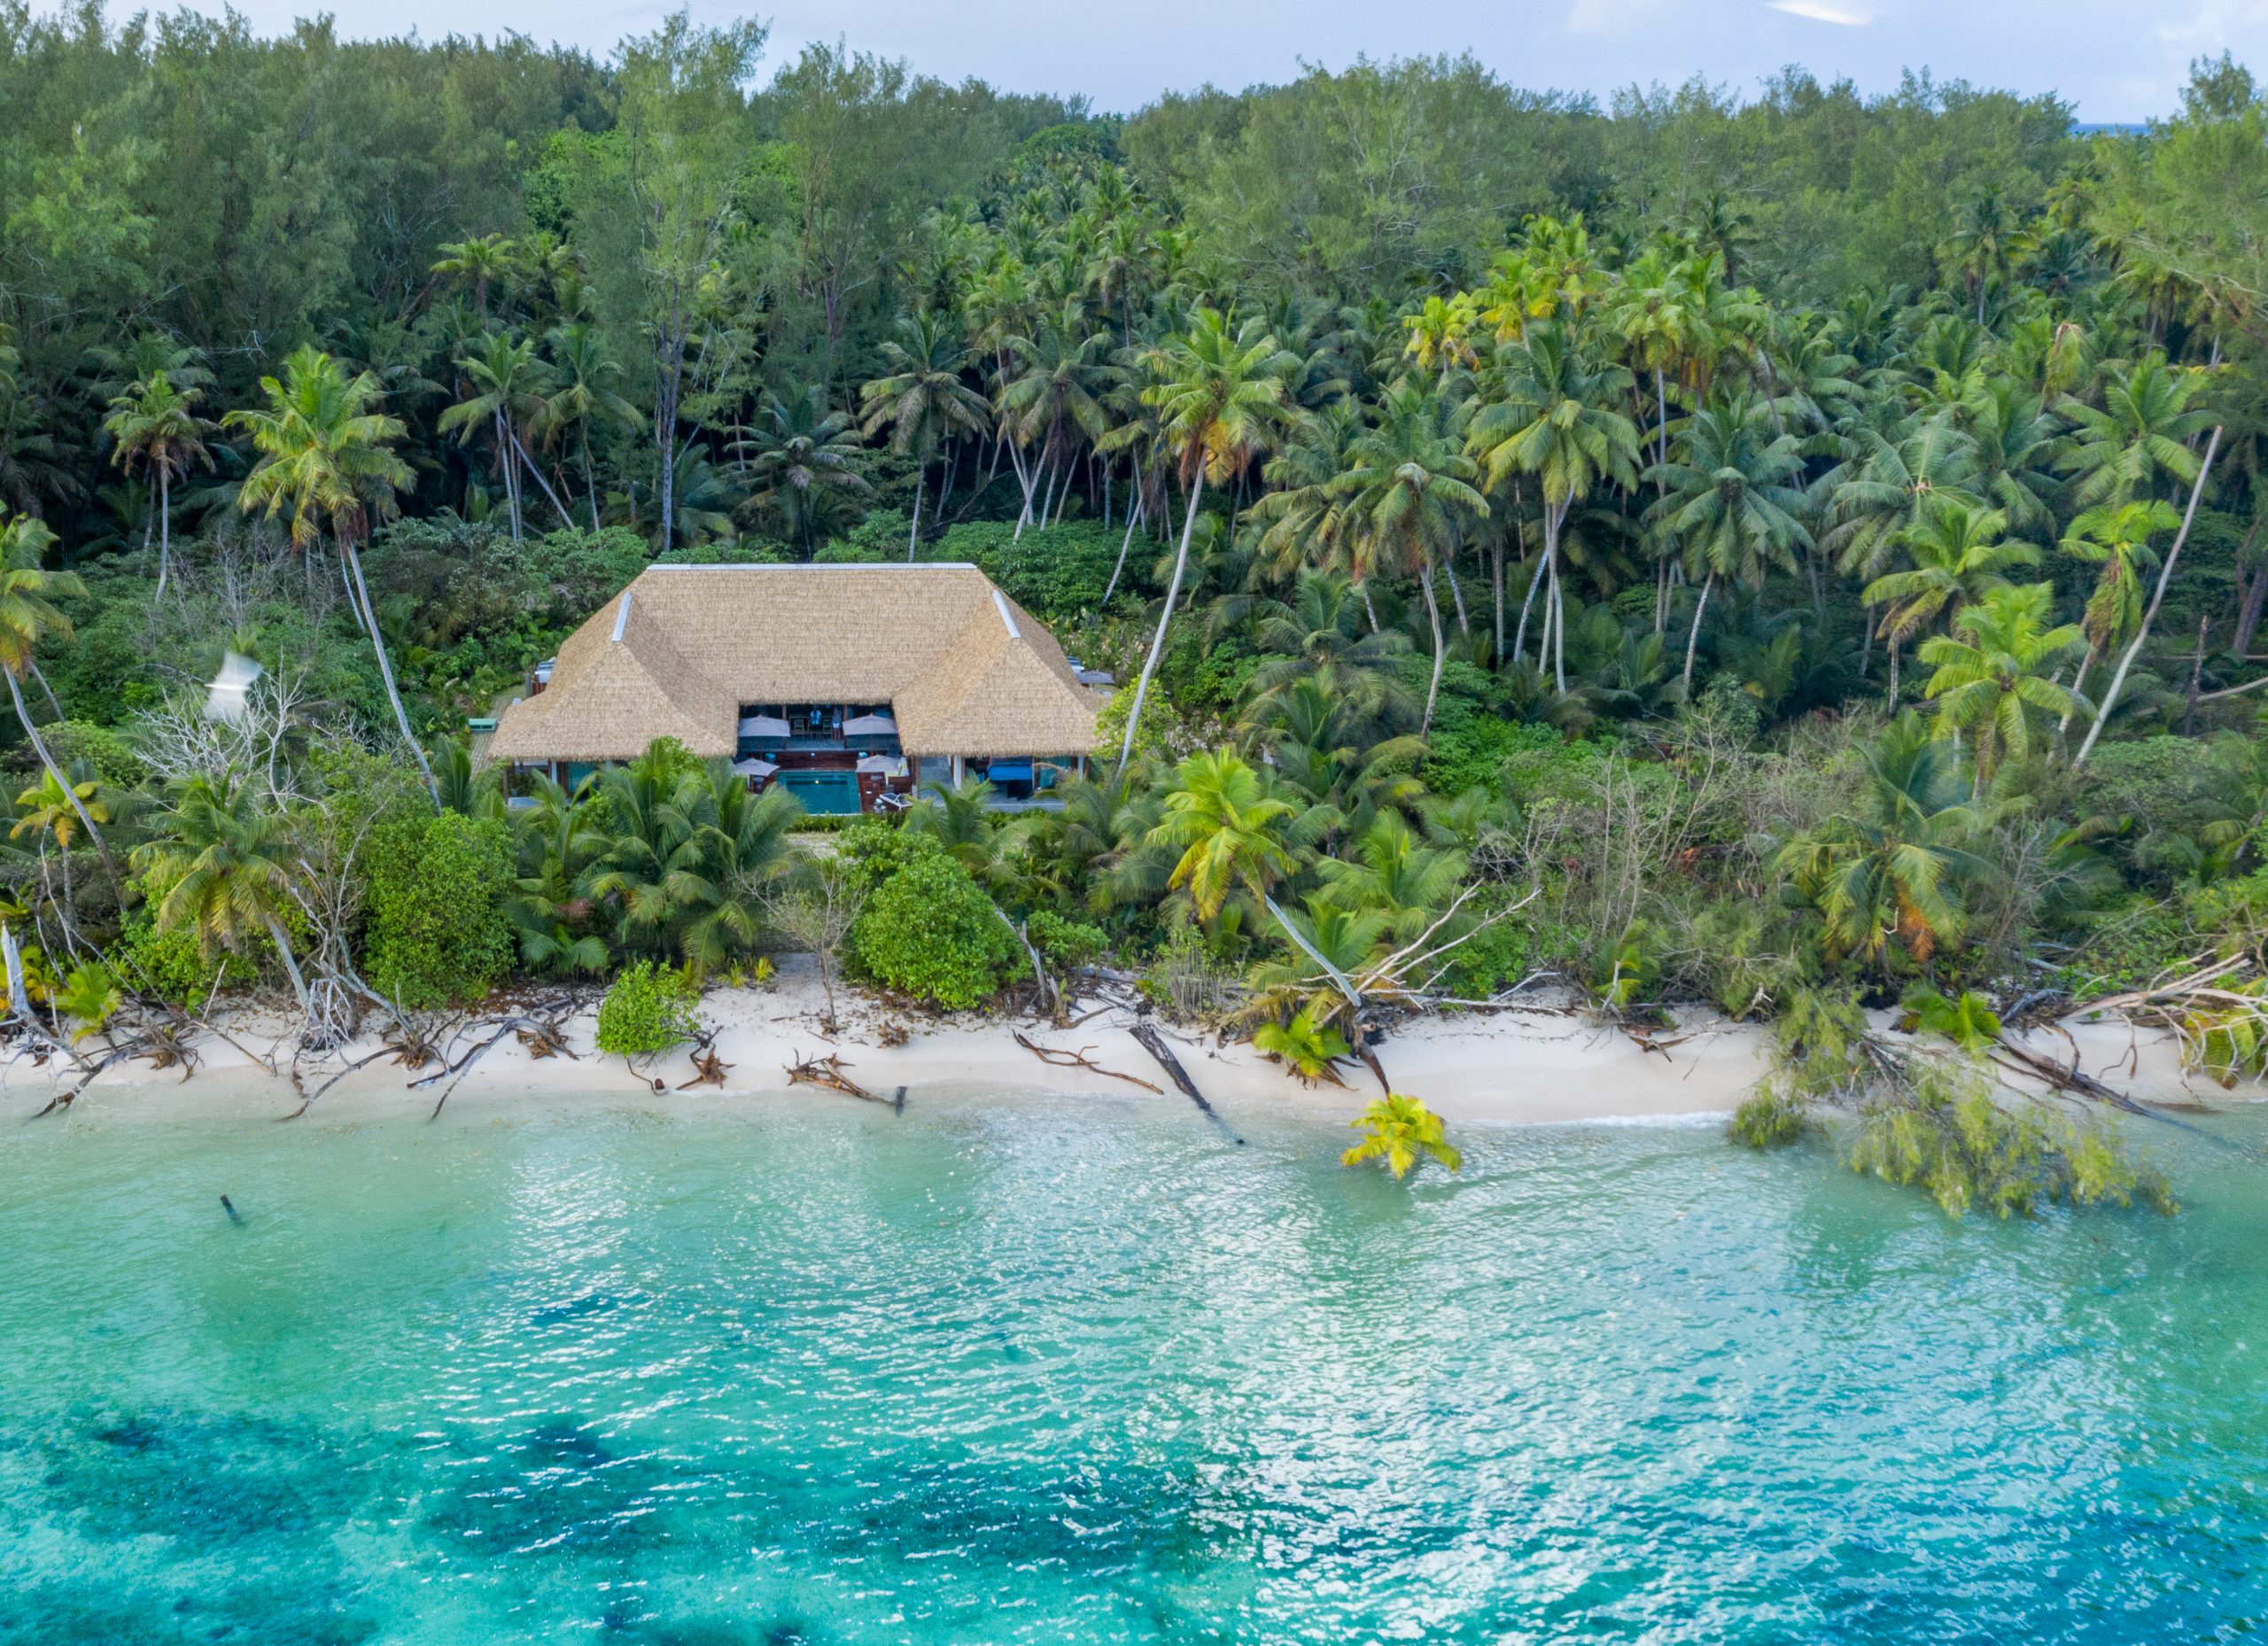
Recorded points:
(1553, 518)
(2166, 576)
(39, 746)
(1693, 639)
(1456, 596)
(359, 593)
(1158, 642)
(2256, 593)
(1433, 616)
(913, 537)
(508, 468)
(1520, 635)
(1133, 519)
(566, 518)
(1497, 588)
(165, 527)
(282, 939)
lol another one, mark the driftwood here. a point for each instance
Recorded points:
(1058, 1058)
(708, 1068)
(827, 1072)
(1154, 1044)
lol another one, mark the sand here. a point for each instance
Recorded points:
(1534, 1066)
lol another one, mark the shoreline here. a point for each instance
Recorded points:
(1534, 1066)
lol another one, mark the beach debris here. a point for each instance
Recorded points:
(892, 1033)
(827, 1072)
(1154, 1044)
(416, 1041)
(228, 1207)
(1058, 1058)
(708, 1066)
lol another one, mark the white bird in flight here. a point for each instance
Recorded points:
(226, 699)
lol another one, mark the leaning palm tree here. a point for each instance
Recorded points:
(326, 459)
(508, 384)
(922, 400)
(2118, 538)
(1402, 1132)
(157, 430)
(1233, 835)
(1406, 490)
(586, 394)
(1218, 396)
(227, 863)
(1991, 679)
(29, 614)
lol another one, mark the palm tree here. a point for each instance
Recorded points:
(478, 262)
(1958, 556)
(508, 383)
(51, 808)
(1880, 491)
(922, 400)
(1393, 872)
(29, 614)
(226, 859)
(1233, 833)
(157, 430)
(560, 844)
(804, 458)
(1402, 1131)
(586, 393)
(1887, 874)
(1051, 396)
(2138, 437)
(1217, 396)
(1547, 411)
(2118, 538)
(1733, 501)
(1991, 672)
(325, 457)
(1406, 490)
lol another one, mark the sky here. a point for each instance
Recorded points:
(2115, 60)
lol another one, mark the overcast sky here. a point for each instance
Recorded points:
(2115, 59)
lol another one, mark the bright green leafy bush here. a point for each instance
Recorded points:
(930, 932)
(647, 1010)
(436, 933)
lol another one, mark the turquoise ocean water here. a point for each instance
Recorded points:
(1065, 1374)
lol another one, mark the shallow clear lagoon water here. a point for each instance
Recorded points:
(1064, 1373)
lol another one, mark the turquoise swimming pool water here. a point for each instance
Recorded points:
(1087, 1372)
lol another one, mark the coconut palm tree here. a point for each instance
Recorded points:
(1733, 501)
(156, 428)
(1218, 397)
(227, 862)
(1233, 833)
(2138, 439)
(1958, 554)
(1403, 1132)
(326, 460)
(585, 394)
(1991, 679)
(1546, 410)
(29, 614)
(922, 400)
(1406, 490)
(802, 457)
(478, 263)
(508, 386)
(51, 808)
(1887, 875)
(2118, 538)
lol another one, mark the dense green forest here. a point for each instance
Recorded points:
(1796, 555)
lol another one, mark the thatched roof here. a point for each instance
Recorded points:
(965, 669)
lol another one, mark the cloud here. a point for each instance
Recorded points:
(1820, 12)
(2213, 24)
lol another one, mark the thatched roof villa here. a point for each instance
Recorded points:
(846, 684)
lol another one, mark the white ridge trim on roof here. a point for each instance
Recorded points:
(807, 565)
(1000, 600)
(622, 616)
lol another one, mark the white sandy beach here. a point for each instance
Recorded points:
(1536, 1067)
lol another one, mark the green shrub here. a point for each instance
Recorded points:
(877, 848)
(436, 933)
(171, 965)
(1067, 944)
(932, 933)
(647, 1010)
(745, 551)
(1770, 1117)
